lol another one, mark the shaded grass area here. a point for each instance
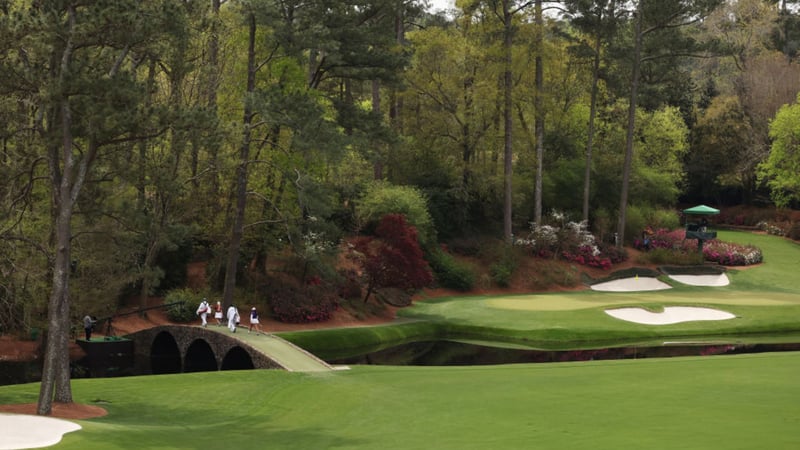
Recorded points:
(743, 401)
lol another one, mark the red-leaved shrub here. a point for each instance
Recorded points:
(393, 259)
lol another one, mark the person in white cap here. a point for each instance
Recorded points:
(254, 321)
(203, 311)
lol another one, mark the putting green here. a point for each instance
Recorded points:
(573, 301)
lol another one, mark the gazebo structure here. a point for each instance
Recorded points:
(698, 229)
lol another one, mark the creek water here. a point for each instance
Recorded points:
(459, 353)
(455, 353)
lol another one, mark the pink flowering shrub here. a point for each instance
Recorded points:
(729, 254)
(585, 256)
(667, 239)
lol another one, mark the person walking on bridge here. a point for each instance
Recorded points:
(203, 310)
(233, 318)
(254, 321)
(218, 313)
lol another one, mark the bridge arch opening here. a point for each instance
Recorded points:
(237, 358)
(199, 357)
(165, 356)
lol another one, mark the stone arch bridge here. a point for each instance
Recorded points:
(183, 348)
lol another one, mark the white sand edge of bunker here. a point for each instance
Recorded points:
(29, 431)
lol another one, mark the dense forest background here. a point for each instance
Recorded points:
(136, 136)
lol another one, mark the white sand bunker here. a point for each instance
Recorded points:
(702, 280)
(29, 431)
(671, 315)
(631, 285)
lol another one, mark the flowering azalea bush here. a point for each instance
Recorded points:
(716, 251)
(771, 228)
(729, 254)
(667, 239)
(571, 241)
(586, 256)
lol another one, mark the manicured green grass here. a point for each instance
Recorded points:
(743, 402)
(778, 272)
(765, 299)
(731, 402)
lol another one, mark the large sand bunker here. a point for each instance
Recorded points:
(631, 285)
(702, 280)
(654, 284)
(670, 315)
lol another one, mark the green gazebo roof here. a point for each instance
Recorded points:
(701, 210)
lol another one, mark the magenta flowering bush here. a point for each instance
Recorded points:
(667, 239)
(728, 254)
(585, 256)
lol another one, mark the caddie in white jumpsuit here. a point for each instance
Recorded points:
(233, 318)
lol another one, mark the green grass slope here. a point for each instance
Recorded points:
(731, 402)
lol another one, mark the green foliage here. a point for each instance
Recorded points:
(781, 168)
(720, 141)
(173, 260)
(603, 225)
(449, 272)
(381, 199)
(664, 143)
(654, 187)
(506, 263)
(640, 218)
(546, 274)
(563, 185)
(635, 223)
(185, 308)
(501, 273)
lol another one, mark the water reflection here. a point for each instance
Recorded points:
(453, 353)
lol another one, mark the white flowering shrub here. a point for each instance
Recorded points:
(568, 240)
(770, 228)
(729, 254)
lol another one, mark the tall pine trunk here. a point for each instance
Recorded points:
(241, 170)
(587, 176)
(65, 183)
(507, 122)
(539, 110)
(626, 169)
